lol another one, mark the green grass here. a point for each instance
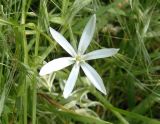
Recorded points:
(132, 77)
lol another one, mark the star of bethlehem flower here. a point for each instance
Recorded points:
(78, 58)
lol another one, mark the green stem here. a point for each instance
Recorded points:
(37, 43)
(23, 19)
(34, 103)
(25, 103)
(73, 41)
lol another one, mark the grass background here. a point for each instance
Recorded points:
(131, 77)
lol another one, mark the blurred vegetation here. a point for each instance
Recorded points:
(132, 77)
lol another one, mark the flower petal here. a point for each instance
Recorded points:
(62, 41)
(71, 81)
(94, 77)
(87, 35)
(102, 53)
(56, 65)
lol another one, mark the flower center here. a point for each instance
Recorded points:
(78, 58)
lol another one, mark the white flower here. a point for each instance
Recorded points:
(78, 58)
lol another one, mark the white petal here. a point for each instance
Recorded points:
(62, 41)
(87, 35)
(71, 81)
(94, 77)
(102, 53)
(56, 65)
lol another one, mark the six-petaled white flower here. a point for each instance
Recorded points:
(78, 58)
